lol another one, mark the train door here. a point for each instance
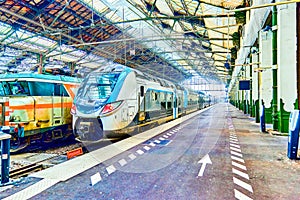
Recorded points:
(57, 105)
(141, 104)
(175, 107)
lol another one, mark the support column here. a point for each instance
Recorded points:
(40, 58)
(71, 66)
(257, 103)
(287, 62)
(274, 68)
(254, 83)
(5, 157)
(251, 97)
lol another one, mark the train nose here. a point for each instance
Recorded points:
(89, 130)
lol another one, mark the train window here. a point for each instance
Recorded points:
(41, 88)
(24, 85)
(2, 93)
(57, 89)
(98, 86)
(6, 88)
(64, 91)
(142, 91)
(20, 88)
(161, 96)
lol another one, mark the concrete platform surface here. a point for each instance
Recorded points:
(217, 154)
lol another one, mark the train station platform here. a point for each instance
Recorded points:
(216, 153)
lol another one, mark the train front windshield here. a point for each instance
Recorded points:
(98, 86)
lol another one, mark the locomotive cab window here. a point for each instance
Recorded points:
(2, 90)
(18, 88)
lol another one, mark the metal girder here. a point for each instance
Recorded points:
(178, 18)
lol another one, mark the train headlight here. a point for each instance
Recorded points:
(73, 109)
(111, 107)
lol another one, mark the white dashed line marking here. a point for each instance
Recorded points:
(235, 149)
(237, 154)
(237, 159)
(110, 169)
(232, 139)
(238, 165)
(234, 142)
(161, 138)
(132, 156)
(147, 148)
(157, 141)
(240, 195)
(165, 136)
(235, 145)
(122, 162)
(95, 178)
(140, 152)
(243, 184)
(242, 174)
(152, 144)
(169, 134)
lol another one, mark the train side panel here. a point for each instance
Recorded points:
(38, 110)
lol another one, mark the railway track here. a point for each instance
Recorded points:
(27, 163)
(26, 170)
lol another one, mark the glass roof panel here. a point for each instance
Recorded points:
(163, 7)
(177, 6)
(187, 26)
(96, 5)
(12, 52)
(29, 46)
(139, 2)
(4, 28)
(113, 16)
(42, 41)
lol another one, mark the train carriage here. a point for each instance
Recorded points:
(116, 100)
(36, 107)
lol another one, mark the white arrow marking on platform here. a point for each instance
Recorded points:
(205, 160)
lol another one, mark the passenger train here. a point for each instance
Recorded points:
(115, 100)
(36, 107)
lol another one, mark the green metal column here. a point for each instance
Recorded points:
(274, 68)
(251, 101)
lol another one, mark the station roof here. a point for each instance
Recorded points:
(172, 39)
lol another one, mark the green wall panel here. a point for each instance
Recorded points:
(283, 117)
(268, 115)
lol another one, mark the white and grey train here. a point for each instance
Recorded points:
(115, 100)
